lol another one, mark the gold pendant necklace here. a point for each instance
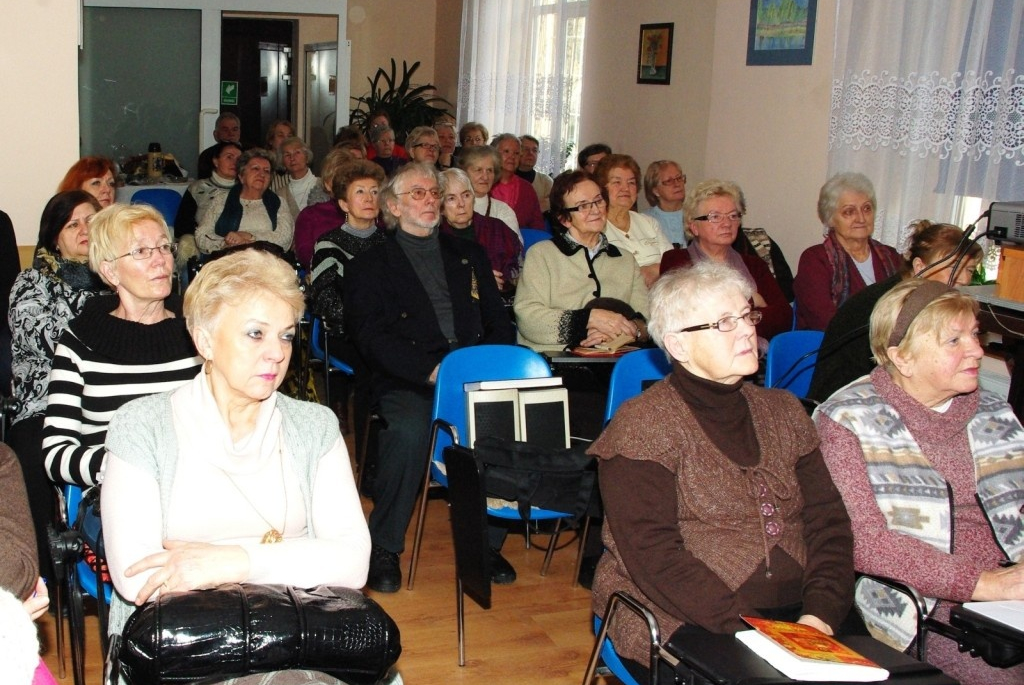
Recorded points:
(273, 535)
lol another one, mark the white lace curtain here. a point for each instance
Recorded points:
(520, 70)
(928, 101)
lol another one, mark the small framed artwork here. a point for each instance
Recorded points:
(781, 32)
(654, 57)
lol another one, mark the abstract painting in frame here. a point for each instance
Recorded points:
(781, 32)
(654, 56)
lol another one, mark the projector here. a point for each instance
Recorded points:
(1006, 222)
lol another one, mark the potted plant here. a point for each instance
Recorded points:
(406, 105)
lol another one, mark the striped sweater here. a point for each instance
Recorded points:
(102, 362)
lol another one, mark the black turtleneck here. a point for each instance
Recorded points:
(722, 412)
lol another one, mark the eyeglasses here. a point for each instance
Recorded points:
(587, 206)
(674, 180)
(718, 217)
(420, 193)
(142, 253)
(428, 146)
(727, 323)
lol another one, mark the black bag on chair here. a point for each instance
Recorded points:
(235, 630)
(557, 479)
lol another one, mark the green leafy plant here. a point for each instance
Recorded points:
(406, 105)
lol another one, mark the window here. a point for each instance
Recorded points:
(521, 72)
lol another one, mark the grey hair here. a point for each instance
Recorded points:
(472, 155)
(255, 153)
(828, 197)
(306, 150)
(453, 175)
(675, 296)
(502, 137)
(396, 184)
(379, 131)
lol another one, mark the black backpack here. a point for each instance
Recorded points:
(557, 479)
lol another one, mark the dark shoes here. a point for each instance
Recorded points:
(385, 574)
(502, 572)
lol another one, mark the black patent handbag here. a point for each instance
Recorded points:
(205, 636)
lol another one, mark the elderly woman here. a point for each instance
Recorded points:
(845, 352)
(514, 191)
(849, 260)
(376, 122)
(248, 212)
(527, 171)
(665, 190)
(504, 250)
(320, 217)
(928, 465)
(423, 145)
(739, 515)
(200, 195)
(713, 216)
(303, 185)
(383, 141)
(473, 134)
(94, 175)
(120, 347)
(577, 265)
(447, 140)
(202, 481)
(44, 299)
(637, 234)
(481, 164)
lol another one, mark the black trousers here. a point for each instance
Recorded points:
(26, 439)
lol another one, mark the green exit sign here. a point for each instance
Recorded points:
(229, 92)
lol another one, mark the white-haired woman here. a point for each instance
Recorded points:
(737, 500)
(849, 259)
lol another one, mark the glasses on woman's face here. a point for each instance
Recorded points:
(428, 146)
(587, 207)
(142, 253)
(719, 218)
(673, 181)
(727, 323)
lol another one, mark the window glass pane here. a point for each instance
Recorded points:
(138, 79)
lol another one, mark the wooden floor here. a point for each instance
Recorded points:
(537, 630)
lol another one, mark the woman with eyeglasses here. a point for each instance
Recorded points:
(562, 275)
(713, 216)
(250, 211)
(849, 259)
(422, 144)
(636, 234)
(122, 346)
(738, 515)
(665, 190)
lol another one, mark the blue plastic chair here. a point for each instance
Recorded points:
(532, 236)
(164, 200)
(318, 351)
(605, 650)
(630, 373)
(80, 577)
(449, 423)
(791, 359)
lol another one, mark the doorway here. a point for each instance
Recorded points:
(321, 98)
(257, 54)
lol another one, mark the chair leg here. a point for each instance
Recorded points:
(421, 517)
(552, 543)
(579, 551)
(460, 611)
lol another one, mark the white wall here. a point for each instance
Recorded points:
(764, 127)
(39, 116)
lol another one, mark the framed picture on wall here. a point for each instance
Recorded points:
(781, 32)
(654, 56)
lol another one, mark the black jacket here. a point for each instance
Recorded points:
(389, 317)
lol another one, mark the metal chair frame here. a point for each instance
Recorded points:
(603, 647)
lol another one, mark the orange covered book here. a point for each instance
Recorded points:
(801, 652)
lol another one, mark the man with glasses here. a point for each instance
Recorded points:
(407, 303)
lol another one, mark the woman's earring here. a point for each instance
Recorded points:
(207, 366)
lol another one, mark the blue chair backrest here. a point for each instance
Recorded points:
(316, 348)
(86, 576)
(629, 374)
(532, 236)
(477, 363)
(164, 200)
(791, 359)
